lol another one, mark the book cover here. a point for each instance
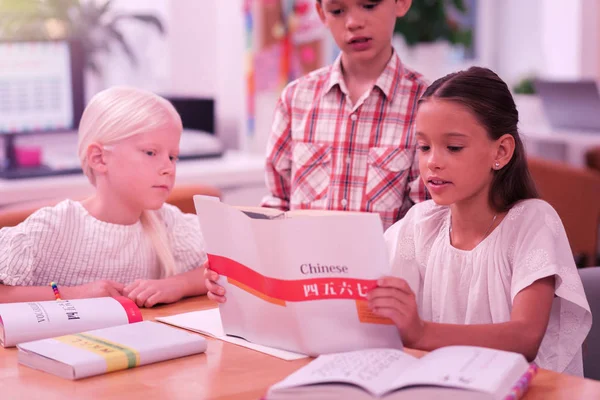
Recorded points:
(101, 351)
(298, 281)
(24, 322)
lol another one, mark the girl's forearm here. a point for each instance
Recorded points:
(18, 294)
(515, 336)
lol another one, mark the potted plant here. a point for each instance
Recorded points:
(92, 23)
(429, 31)
(529, 105)
(525, 87)
(429, 21)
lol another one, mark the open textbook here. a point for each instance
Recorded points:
(454, 372)
(298, 280)
(23, 322)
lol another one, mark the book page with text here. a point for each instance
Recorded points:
(466, 367)
(372, 370)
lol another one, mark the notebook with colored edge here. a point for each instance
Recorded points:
(101, 351)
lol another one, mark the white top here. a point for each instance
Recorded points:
(67, 245)
(478, 286)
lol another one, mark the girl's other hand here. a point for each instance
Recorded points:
(149, 292)
(215, 292)
(394, 299)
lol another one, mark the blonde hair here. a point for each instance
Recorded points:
(115, 114)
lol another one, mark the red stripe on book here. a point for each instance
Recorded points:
(131, 309)
(292, 290)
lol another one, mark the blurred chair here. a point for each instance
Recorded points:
(575, 195)
(181, 197)
(590, 277)
(592, 158)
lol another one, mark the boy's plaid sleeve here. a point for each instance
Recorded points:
(278, 166)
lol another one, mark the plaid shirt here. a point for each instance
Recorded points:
(326, 153)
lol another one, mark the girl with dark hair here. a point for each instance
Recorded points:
(485, 262)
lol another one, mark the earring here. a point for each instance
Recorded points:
(497, 165)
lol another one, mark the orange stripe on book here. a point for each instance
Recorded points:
(256, 293)
(366, 316)
(292, 290)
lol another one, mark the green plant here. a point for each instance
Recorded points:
(525, 86)
(431, 20)
(91, 22)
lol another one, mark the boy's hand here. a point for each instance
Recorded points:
(149, 292)
(394, 299)
(215, 291)
(92, 289)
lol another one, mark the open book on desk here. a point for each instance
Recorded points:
(298, 280)
(454, 372)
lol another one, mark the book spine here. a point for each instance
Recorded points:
(2, 337)
(519, 389)
(131, 309)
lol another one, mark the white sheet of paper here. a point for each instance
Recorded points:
(208, 322)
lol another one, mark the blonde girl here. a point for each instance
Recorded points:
(124, 239)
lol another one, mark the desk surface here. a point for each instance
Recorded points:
(225, 371)
(234, 169)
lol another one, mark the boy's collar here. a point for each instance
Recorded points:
(387, 82)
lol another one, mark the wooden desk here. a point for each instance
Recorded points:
(225, 371)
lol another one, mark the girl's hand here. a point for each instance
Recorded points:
(215, 291)
(394, 299)
(149, 292)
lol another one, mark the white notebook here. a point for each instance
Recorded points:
(100, 351)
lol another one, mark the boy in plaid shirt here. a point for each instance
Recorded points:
(343, 136)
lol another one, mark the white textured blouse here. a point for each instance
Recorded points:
(479, 286)
(67, 245)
